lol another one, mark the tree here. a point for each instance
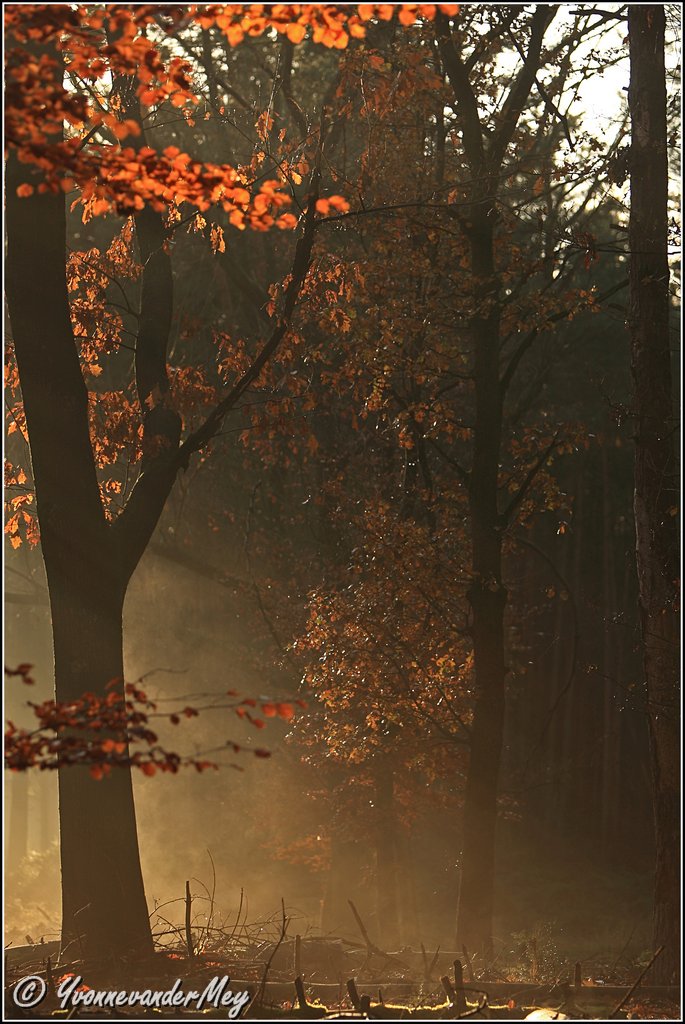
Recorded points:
(89, 561)
(90, 554)
(410, 402)
(655, 468)
(486, 155)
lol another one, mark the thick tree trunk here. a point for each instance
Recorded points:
(87, 571)
(655, 473)
(487, 597)
(104, 910)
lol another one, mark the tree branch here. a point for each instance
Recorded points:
(526, 343)
(520, 90)
(134, 526)
(301, 263)
(464, 95)
(285, 81)
(530, 477)
(53, 389)
(463, 474)
(546, 98)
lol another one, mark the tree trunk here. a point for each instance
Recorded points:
(345, 882)
(410, 920)
(17, 845)
(610, 789)
(386, 859)
(485, 152)
(487, 597)
(104, 910)
(87, 572)
(655, 472)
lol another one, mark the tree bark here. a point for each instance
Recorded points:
(655, 470)
(487, 597)
(104, 910)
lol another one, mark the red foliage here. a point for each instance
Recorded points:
(99, 730)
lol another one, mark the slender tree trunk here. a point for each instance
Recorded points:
(487, 597)
(345, 882)
(610, 792)
(485, 153)
(410, 918)
(655, 471)
(386, 859)
(18, 824)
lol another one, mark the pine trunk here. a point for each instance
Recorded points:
(655, 472)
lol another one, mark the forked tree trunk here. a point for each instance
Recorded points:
(102, 891)
(656, 496)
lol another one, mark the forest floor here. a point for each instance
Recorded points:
(317, 978)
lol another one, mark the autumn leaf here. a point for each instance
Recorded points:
(264, 125)
(217, 239)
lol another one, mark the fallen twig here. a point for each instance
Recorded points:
(371, 947)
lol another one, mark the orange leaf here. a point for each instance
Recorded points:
(295, 32)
